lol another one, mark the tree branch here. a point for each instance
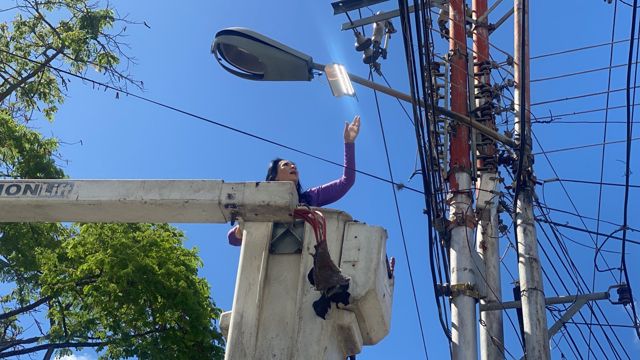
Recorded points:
(5, 94)
(24, 308)
(53, 347)
(48, 354)
(4, 345)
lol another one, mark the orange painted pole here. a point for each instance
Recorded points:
(487, 244)
(461, 217)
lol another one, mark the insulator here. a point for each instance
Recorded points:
(624, 294)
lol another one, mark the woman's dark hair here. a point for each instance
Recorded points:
(272, 173)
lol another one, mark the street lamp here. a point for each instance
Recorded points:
(253, 56)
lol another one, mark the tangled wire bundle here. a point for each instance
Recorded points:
(325, 276)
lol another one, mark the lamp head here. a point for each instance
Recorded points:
(253, 56)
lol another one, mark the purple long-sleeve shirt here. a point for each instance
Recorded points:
(324, 194)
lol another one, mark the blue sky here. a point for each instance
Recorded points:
(125, 138)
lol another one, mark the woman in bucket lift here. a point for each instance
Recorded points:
(285, 170)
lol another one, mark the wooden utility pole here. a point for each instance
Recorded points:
(487, 244)
(536, 336)
(462, 220)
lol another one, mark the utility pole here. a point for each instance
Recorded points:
(462, 220)
(536, 336)
(487, 244)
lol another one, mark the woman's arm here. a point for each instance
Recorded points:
(235, 236)
(333, 191)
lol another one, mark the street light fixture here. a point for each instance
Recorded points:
(253, 56)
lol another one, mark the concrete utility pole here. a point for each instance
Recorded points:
(536, 337)
(463, 288)
(488, 245)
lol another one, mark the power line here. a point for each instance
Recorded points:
(585, 217)
(212, 122)
(578, 275)
(417, 83)
(591, 182)
(567, 261)
(581, 122)
(563, 249)
(559, 116)
(582, 72)
(573, 267)
(572, 344)
(585, 230)
(577, 242)
(625, 208)
(582, 96)
(599, 324)
(605, 333)
(395, 199)
(399, 102)
(583, 146)
(561, 52)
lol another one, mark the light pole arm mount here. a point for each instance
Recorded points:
(483, 129)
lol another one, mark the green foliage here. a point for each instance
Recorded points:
(127, 290)
(25, 153)
(135, 279)
(33, 47)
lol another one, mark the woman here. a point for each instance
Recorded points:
(285, 170)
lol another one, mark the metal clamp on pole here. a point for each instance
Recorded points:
(624, 294)
(467, 289)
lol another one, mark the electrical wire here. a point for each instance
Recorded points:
(582, 72)
(553, 286)
(540, 119)
(563, 187)
(579, 147)
(636, 242)
(582, 122)
(402, 235)
(581, 96)
(561, 52)
(425, 160)
(576, 273)
(572, 345)
(430, 142)
(543, 220)
(212, 122)
(399, 102)
(601, 183)
(585, 217)
(566, 261)
(625, 208)
(599, 324)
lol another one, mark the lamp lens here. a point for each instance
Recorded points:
(241, 59)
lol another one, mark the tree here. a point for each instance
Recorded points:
(124, 289)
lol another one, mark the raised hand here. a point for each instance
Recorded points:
(351, 130)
